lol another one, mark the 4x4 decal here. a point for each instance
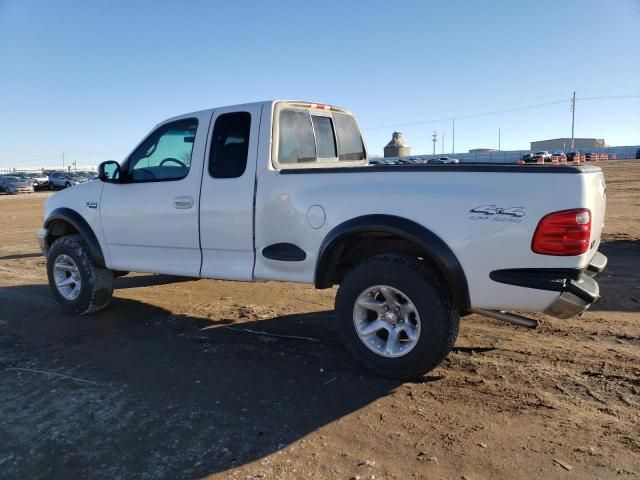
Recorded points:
(497, 214)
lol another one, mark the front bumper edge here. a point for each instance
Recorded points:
(41, 235)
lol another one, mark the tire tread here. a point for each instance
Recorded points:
(98, 280)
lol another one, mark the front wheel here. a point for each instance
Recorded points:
(77, 284)
(395, 317)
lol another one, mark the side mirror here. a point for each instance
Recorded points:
(109, 171)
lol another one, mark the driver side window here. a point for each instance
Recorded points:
(165, 154)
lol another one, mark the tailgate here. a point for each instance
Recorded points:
(595, 200)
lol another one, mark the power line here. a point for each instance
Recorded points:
(513, 100)
(496, 112)
(459, 117)
(609, 97)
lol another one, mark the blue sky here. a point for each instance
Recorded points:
(92, 78)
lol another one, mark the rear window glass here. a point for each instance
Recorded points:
(296, 143)
(349, 140)
(325, 141)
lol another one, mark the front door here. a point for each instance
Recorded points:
(150, 221)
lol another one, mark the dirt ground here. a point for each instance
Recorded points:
(165, 384)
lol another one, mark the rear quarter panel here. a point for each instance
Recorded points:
(442, 201)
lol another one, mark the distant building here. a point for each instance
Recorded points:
(397, 147)
(565, 144)
(483, 150)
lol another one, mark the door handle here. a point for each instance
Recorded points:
(183, 202)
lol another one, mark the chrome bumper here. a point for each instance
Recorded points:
(580, 294)
(576, 287)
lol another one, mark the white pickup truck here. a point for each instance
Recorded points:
(282, 190)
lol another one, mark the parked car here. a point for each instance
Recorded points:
(58, 180)
(15, 184)
(637, 153)
(39, 181)
(443, 160)
(88, 175)
(543, 154)
(282, 191)
(6, 178)
(527, 158)
(561, 155)
(571, 155)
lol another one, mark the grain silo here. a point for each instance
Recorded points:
(397, 147)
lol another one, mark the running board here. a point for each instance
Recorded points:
(507, 317)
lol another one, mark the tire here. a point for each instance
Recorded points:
(67, 185)
(95, 284)
(434, 324)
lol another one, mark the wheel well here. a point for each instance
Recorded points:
(355, 240)
(59, 228)
(64, 221)
(354, 249)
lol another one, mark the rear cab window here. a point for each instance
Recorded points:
(311, 135)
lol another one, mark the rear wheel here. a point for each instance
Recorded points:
(77, 284)
(395, 317)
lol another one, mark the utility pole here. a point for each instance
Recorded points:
(573, 119)
(442, 135)
(499, 140)
(63, 160)
(453, 141)
(435, 139)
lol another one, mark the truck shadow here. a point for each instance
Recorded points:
(620, 280)
(160, 395)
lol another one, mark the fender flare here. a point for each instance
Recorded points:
(435, 249)
(76, 220)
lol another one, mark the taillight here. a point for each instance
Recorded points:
(563, 233)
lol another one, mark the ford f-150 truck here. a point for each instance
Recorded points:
(282, 190)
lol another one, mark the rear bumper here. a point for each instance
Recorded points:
(578, 290)
(579, 296)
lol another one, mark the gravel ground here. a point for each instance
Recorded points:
(167, 384)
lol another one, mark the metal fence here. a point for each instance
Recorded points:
(67, 168)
